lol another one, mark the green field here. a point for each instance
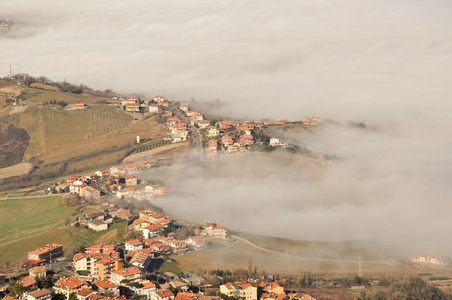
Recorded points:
(27, 224)
(20, 218)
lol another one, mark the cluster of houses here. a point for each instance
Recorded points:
(230, 136)
(267, 291)
(119, 181)
(135, 104)
(6, 23)
(108, 280)
(110, 272)
(430, 259)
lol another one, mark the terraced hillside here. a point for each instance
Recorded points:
(73, 140)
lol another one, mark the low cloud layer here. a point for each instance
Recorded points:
(367, 60)
(377, 191)
(385, 62)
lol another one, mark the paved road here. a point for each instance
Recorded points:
(195, 135)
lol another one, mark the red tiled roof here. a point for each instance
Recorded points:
(105, 284)
(164, 293)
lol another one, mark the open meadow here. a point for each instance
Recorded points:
(19, 169)
(29, 223)
(20, 218)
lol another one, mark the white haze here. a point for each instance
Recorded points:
(388, 63)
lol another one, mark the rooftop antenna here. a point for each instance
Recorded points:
(360, 272)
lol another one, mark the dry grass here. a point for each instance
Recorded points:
(43, 86)
(38, 95)
(172, 150)
(19, 169)
(17, 109)
(56, 135)
(234, 256)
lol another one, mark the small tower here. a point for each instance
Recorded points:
(138, 139)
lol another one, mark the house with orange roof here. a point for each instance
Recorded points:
(140, 224)
(28, 283)
(147, 288)
(43, 294)
(83, 294)
(152, 231)
(247, 139)
(183, 106)
(284, 122)
(68, 285)
(300, 296)
(164, 222)
(131, 180)
(162, 295)
(227, 141)
(102, 173)
(100, 249)
(124, 213)
(130, 100)
(37, 272)
(133, 245)
(144, 165)
(271, 288)
(197, 242)
(80, 262)
(269, 123)
(50, 251)
(213, 230)
(107, 287)
(239, 289)
(130, 273)
(201, 123)
(192, 112)
(158, 99)
(312, 120)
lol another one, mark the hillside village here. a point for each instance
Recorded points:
(226, 136)
(130, 269)
(126, 271)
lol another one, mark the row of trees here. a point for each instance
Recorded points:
(64, 86)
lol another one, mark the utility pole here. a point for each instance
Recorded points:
(360, 272)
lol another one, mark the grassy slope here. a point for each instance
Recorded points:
(39, 95)
(56, 134)
(25, 217)
(40, 221)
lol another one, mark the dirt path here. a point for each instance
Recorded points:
(28, 197)
(17, 109)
